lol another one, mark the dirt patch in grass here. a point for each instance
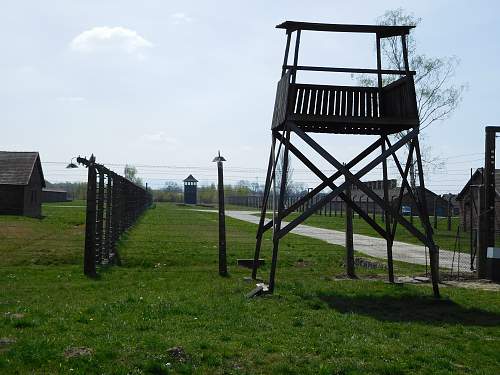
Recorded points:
(475, 284)
(78, 352)
(178, 354)
(5, 342)
(20, 230)
(15, 315)
(369, 264)
(302, 263)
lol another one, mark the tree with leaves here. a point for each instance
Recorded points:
(130, 173)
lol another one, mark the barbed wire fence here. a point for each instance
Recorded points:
(114, 204)
(460, 245)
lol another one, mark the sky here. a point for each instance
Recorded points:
(164, 85)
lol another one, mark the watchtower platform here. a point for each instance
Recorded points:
(345, 109)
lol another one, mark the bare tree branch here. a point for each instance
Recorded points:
(437, 95)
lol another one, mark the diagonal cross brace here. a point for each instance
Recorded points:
(326, 182)
(342, 195)
(269, 177)
(354, 179)
(404, 176)
(407, 166)
(342, 170)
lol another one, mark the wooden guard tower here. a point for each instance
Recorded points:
(380, 111)
(190, 190)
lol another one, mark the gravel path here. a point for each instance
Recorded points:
(372, 246)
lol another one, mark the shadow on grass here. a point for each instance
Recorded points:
(410, 308)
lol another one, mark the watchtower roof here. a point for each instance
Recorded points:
(381, 30)
(190, 178)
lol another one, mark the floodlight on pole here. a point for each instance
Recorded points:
(72, 165)
(222, 216)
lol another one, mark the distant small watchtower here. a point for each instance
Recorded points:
(190, 190)
(378, 111)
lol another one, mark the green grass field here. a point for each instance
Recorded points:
(444, 239)
(168, 294)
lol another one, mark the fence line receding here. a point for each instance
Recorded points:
(114, 203)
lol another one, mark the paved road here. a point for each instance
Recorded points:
(375, 247)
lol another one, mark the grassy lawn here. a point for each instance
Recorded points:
(444, 239)
(168, 294)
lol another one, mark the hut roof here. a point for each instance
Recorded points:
(16, 167)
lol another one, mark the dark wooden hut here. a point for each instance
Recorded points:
(190, 190)
(469, 200)
(436, 205)
(54, 195)
(21, 183)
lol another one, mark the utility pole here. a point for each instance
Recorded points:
(222, 217)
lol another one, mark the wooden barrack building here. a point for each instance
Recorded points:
(21, 183)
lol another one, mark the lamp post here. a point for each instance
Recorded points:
(72, 165)
(222, 218)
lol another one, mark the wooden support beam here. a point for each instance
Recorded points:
(404, 183)
(281, 199)
(357, 208)
(295, 58)
(433, 250)
(349, 242)
(389, 241)
(287, 50)
(267, 188)
(349, 70)
(307, 198)
(354, 179)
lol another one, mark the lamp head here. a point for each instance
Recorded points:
(218, 158)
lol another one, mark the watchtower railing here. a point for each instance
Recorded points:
(395, 102)
(399, 99)
(344, 101)
(281, 102)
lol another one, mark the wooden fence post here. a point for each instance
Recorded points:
(109, 204)
(89, 257)
(100, 219)
(449, 213)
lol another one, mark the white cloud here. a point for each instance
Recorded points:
(104, 38)
(160, 137)
(180, 18)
